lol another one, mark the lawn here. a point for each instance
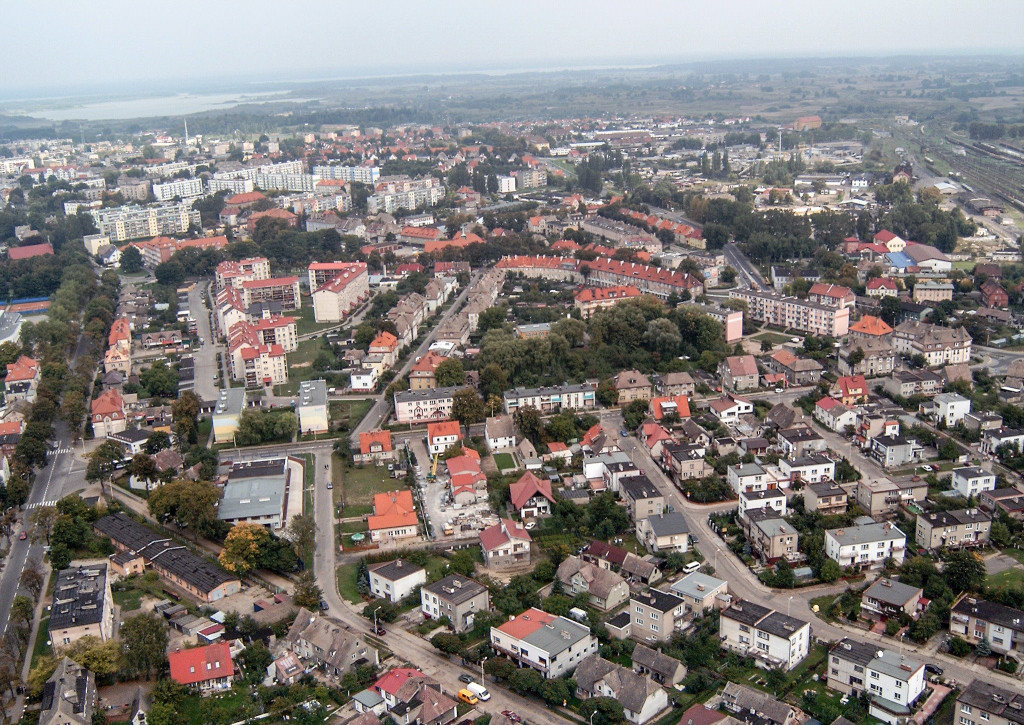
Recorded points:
(305, 324)
(300, 366)
(348, 413)
(347, 583)
(359, 484)
(129, 600)
(824, 603)
(504, 461)
(354, 527)
(772, 337)
(1014, 576)
(42, 635)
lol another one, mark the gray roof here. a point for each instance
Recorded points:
(851, 650)
(251, 496)
(994, 699)
(78, 598)
(748, 469)
(696, 585)
(656, 661)
(864, 533)
(668, 524)
(638, 487)
(631, 689)
(746, 612)
(312, 392)
(895, 665)
(455, 589)
(558, 635)
(394, 570)
(956, 518)
(740, 697)
(891, 591)
(991, 612)
(566, 389)
(775, 526)
(781, 625)
(230, 401)
(69, 695)
(827, 488)
(655, 599)
(769, 494)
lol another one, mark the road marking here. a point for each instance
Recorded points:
(38, 504)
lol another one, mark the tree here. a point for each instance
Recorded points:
(102, 460)
(964, 571)
(302, 533)
(131, 260)
(467, 407)
(606, 711)
(42, 520)
(143, 467)
(307, 593)
(462, 562)
(776, 679)
(243, 547)
(528, 421)
(191, 504)
(160, 380)
(32, 579)
(949, 450)
(634, 414)
(445, 642)
(526, 681)
(555, 692)
(493, 380)
(102, 658)
(830, 571)
(449, 373)
(157, 441)
(143, 644)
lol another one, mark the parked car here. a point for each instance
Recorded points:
(466, 678)
(379, 631)
(933, 669)
(23, 535)
(324, 606)
(510, 715)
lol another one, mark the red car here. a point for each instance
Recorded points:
(510, 715)
(23, 536)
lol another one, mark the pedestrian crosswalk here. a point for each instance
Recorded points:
(56, 451)
(40, 504)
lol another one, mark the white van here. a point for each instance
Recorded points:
(479, 690)
(691, 567)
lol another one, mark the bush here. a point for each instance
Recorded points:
(959, 647)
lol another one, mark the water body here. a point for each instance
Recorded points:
(182, 104)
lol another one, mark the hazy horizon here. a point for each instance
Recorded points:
(255, 44)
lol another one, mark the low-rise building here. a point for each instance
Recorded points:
(442, 435)
(950, 408)
(905, 383)
(658, 666)
(939, 345)
(895, 451)
(531, 496)
(605, 589)
(887, 598)
(420, 406)
(257, 492)
(865, 544)
(226, 413)
(702, 592)
(322, 642)
(554, 646)
(772, 638)
(207, 669)
(770, 499)
(311, 407)
(953, 529)
(500, 432)
(827, 498)
(870, 357)
(506, 545)
(891, 681)
(807, 469)
(739, 372)
(985, 703)
(749, 477)
(456, 597)
(971, 481)
(642, 498)
(630, 385)
(551, 399)
(82, 606)
(977, 619)
(666, 532)
(69, 695)
(798, 370)
(375, 446)
(640, 697)
(395, 580)
(882, 497)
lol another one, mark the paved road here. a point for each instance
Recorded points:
(998, 361)
(206, 354)
(381, 406)
(739, 261)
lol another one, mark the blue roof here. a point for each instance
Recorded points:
(900, 260)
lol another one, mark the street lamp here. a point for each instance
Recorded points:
(789, 605)
(375, 619)
(482, 681)
(592, 717)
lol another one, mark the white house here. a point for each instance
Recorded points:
(730, 408)
(500, 432)
(554, 646)
(951, 408)
(772, 498)
(892, 681)
(834, 415)
(971, 480)
(865, 544)
(311, 407)
(748, 477)
(772, 638)
(363, 380)
(810, 469)
(395, 580)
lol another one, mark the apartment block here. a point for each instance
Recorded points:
(795, 313)
(772, 638)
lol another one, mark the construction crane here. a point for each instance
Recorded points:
(433, 468)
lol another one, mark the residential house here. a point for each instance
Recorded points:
(890, 598)
(702, 592)
(868, 357)
(951, 408)
(831, 295)
(207, 669)
(506, 544)
(730, 408)
(866, 543)
(739, 372)
(421, 374)
(814, 468)
(640, 697)
(850, 389)
(421, 406)
(375, 447)
(991, 440)
(311, 407)
(684, 461)
(442, 435)
(755, 707)
(394, 517)
(827, 498)
(395, 580)
(605, 589)
(801, 441)
(642, 498)
(108, 413)
(772, 638)
(673, 384)
(906, 383)
(670, 410)
(658, 666)
(328, 644)
(1007, 500)
(879, 287)
(939, 345)
(82, 606)
(553, 398)
(531, 496)
(882, 497)
(606, 556)
(798, 370)
(955, 529)
(457, 598)
(666, 532)
(22, 380)
(870, 327)
(895, 451)
(994, 295)
(892, 681)
(928, 291)
(985, 703)
(977, 619)
(637, 570)
(500, 432)
(69, 695)
(971, 480)
(771, 537)
(834, 415)
(554, 646)
(631, 385)
(771, 498)
(748, 477)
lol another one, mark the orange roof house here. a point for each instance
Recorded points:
(849, 389)
(394, 516)
(22, 369)
(375, 445)
(205, 668)
(870, 326)
(442, 434)
(120, 332)
(531, 496)
(680, 405)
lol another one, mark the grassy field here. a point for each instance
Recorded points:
(358, 486)
(349, 412)
(347, 583)
(504, 461)
(300, 366)
(773, 337)
(129, 600)
(354, 527)
(305, 324)
(41, 648)
(1013, 576)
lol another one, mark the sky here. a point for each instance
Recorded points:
(73, 46)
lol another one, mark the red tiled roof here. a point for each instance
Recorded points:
(828, 404)
(272, 282)
(443, 428)
(884, 236)
(824, 289)
(871, 325)
(391, 681)
(526, 623)
(594, 294)
(506, 529)
(248, 197)
(527, 487)
(392, 510)
(109, 402)
(29, 251)
(369, 438)
(192, 666)
(24, 368)
(682, 406)
(881, 283)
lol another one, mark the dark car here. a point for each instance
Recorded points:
(324, 606)
(466, 678)
(934, 669)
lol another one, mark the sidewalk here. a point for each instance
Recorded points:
(18, 708)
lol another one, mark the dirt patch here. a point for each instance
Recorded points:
(301, 365)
